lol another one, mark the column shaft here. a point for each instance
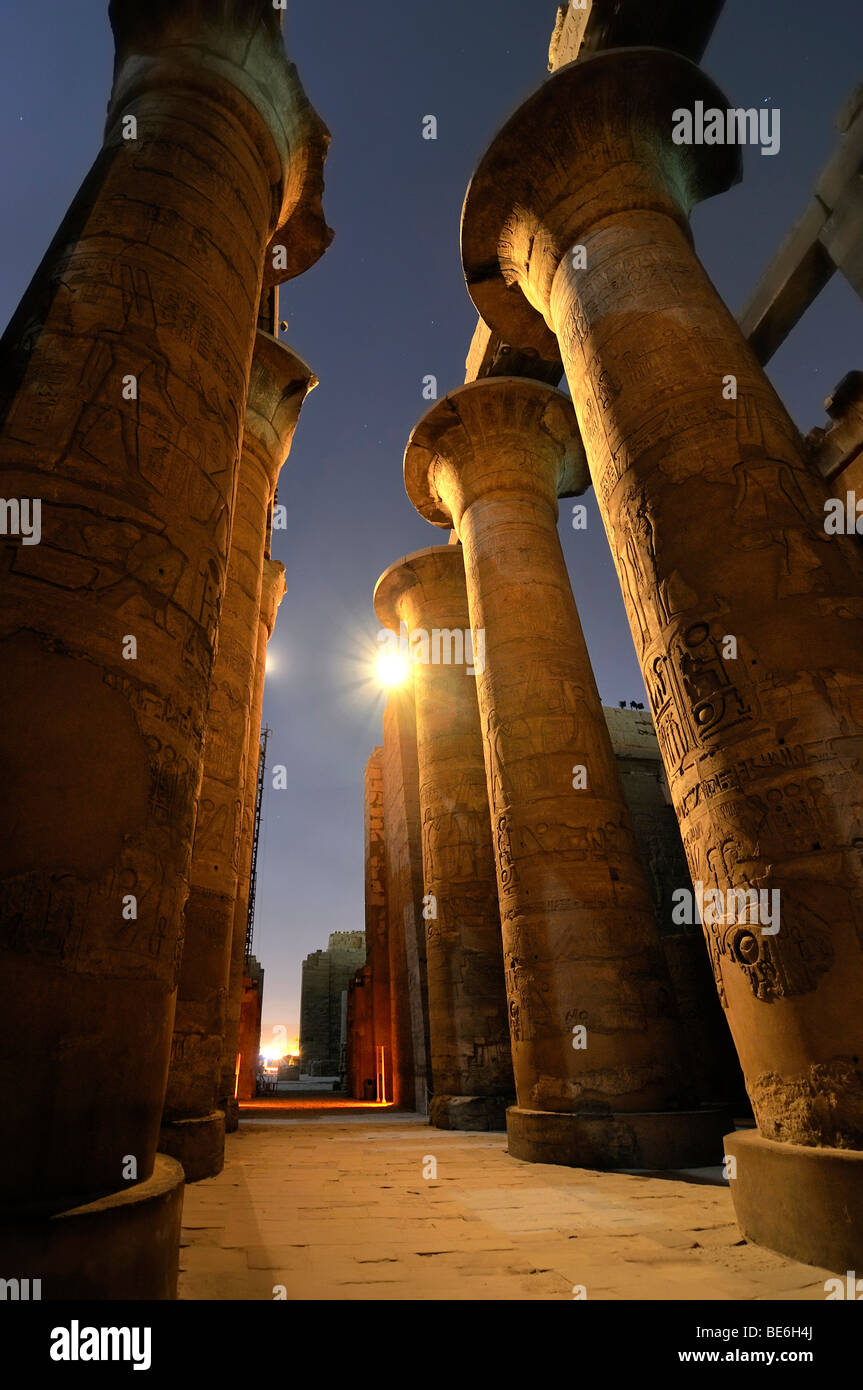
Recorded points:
(715, 523)
(377, 925)
(125, 378)
(408, 977)
(758, 748)
(471, 1065)
(746, 616)
(193, 1125)
(593, 1023)
(272, 593)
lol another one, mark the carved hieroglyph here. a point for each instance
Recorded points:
(580, 942)
(468, 1029)
(272, 592)
(278, 385)
(124, 377)
(576, 223)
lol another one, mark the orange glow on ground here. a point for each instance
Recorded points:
(312, 1102)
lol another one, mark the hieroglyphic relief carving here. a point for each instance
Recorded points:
(694, 700)
(716, 525)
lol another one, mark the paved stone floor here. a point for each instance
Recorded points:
(330, 1201)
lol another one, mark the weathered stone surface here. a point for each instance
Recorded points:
(198, 1144)
(709, 1045)
(325, 976)
(278, 385)
(489, 1228)
(360, 1060)
(665, 1139)
(376, 918)
(153, 280)
(468, 1112)
(837, 452)
(762, 751)
(121, 1247)
(468, 1027)
(802, 1201)
(251, 1005)
(240, 41)
(580, 29)
(404, 894)
(580, 943)
(586, 26)
(707, 1038)
(645, 787)
(272, 593)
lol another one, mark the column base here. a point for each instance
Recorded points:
(232, 1115)
(198, 1144)
(469, 1112)
(124, 1246)
(803, 1202)
(647, 1139)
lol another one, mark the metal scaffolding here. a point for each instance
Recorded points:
(259, 796)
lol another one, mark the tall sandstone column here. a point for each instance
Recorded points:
(579, 936)
(377, 926)
(471, 1064)
(409, 1019)
(193, 1125)
(576, 224)
(124, 380)
(232, 1087)
(360, 1036)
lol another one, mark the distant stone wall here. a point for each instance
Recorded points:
(656, 830)
(346, 941)
(708, 1039)
(325, 976)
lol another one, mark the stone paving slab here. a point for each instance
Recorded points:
(336, 1208)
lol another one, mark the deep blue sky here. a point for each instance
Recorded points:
(386, 306)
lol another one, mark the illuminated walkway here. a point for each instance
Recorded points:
(328, 1199)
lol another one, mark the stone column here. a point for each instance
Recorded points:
(404, 885)
(251, 1005)
(579, 936)
(193, 1126)
(471, 1064)
(360, 1051)
(124, 380)
(272, 593)
(377, 928)
(716, 528)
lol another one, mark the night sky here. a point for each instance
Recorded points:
(385, 307)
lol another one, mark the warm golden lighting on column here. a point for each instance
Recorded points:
(381, 1076)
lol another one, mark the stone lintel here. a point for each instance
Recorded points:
(827, 235)
(794, 278)
(586, 27)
